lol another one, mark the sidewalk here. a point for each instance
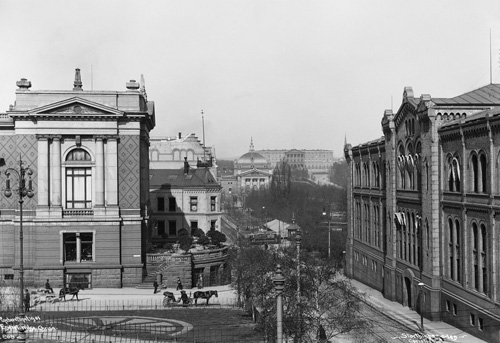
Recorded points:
(411, 318)
(131, 298)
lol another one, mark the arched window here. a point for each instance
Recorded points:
(418, 165)
(475, 246)
(78, 179)
(450, 249)
(483, 261)
(475, 175)
(482, 160)
(453, 175)
(457, 250)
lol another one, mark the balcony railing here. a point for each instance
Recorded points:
(78, 213)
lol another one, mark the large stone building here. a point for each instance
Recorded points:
(316, 161)
(171, 152)
(183, 198)
(424, 205)
(88, 151)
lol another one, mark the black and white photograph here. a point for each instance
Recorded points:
(249, 171)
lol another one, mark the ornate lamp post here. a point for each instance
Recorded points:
(279, 282)
(421, 286)
(22, 190)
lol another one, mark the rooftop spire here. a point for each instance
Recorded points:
(251, 145)
(78, 81)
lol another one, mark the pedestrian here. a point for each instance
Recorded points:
(48, 288)
(179, 284)
(155, 285)
(184, 298)
(200, 281)
(27, 301)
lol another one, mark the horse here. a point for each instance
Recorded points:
(69, 290)
(204, 295)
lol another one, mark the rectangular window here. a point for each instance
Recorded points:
(78, 247)
(86, 243)
(160, 204)
(193, 204)
(172, 205)
(70, 247)
(472, 319)
(194, 225)
(9, 276)
(448, 306)
(455, 309)
(160, 228)
(212, 224)
(78, 188)
(172, 228)
(213, 204)
(481, 324)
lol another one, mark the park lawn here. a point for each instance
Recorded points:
(209, 324)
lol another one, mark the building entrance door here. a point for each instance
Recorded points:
(408, 291)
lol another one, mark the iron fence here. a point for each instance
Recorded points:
(92, 330)
(121, 305)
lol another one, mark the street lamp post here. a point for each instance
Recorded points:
(298, 239)
(421, 286)
(329, 217)
(22, 190)
(279, 282)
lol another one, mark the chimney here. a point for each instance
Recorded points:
(132, 85)
(24, 84)
(186, 166)
(78, 81)
(180, 135)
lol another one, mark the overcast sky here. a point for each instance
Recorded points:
(290, 74)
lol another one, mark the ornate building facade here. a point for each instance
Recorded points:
(170, 152)
(88, 150)
(424, 205)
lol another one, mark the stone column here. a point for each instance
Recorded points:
(111, 174)
(99, 172)
(55, 179)
(43, 172)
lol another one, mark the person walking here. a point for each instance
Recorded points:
(155, 285)
(200, 281)
(27, 301)
(179, 284)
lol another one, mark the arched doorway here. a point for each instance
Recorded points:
(408, 292)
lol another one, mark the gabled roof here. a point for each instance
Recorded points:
(277, 226)
(486, 95)
(175, 178)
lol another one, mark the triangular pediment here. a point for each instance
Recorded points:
(254, 172)
(75, 106)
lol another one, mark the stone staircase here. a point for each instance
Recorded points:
(152, 270)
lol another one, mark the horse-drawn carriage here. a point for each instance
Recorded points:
(170, 300)
(42, 295)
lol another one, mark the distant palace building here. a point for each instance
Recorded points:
(317, 162)
(86, 224)
(424, 207)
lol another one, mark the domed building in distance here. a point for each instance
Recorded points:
(252, 171)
